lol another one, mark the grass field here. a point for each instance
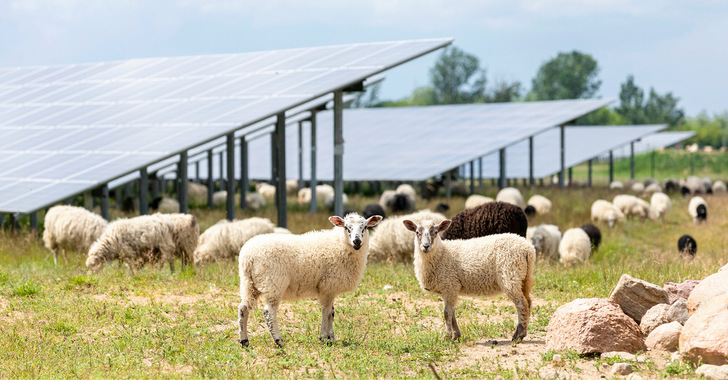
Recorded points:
(62, 322)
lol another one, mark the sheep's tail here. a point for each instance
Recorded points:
(528, 281)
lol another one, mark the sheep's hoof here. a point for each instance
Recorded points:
(329, 339)
(519, 334)
(279, 343)
(244, 343)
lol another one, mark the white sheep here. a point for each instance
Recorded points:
(71, 228)
(653, 188)
(392, 242)
(511, 195)
(529, 233)
(575, 247)
(219, 198)
(660, 204)
(616, 185)
(476, 267)
(291, 187)
(545, 239)
(197, 194)
(638, 187)
(165, 205)
(266, 190)
(719, 187)
(541, 204)
(254, 201)
(632, 206)
(185, 234)
(605, 211)
(698, 209)
(321, 264)
(476, 200)
(322, 191)
(135, 242)
(223, 240)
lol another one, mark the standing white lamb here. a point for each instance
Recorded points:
(698, 209)
(477, 267)
(511, 195)
(135, 242)
(71, 228)
(575, 247)
(321, 264)
(660, 204)
(605, 211)
(392, 242)
(223, 240)
(546, 239)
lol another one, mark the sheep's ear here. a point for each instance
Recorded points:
(373, 220)
(410, 225)
(444, 225)
(337, 221)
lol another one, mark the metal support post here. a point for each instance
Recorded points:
(222, 171)
(244, 184)
(281, 170)
(480, 173)
(530, 161)
(34, 221)
(182, 196)
(210, 179)
(631, 160)
(562, 157)
(300, 154)
(571, 178)
(472, 177)
(105, 201)
(611, 166)
(274, 160)
(338, 153)
(502, 168)
(590, 171)
(143, 192)
(230, 202)
(313, 183)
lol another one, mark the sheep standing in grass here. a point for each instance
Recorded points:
(322, 192)
(71, 228)
(266, 190)
(476, 200)
(545, 239)
(476, 267)
(400, 200)
(632, 206)
(595, 236)
(653, 188)
(540, 204)
(616, 185)
(407, 190)
(219, 198)
(698, 209)
(164, 205)
(487, 219)
(224, 240)
(660, 205)
(291, 187)
(254, 201)
(511, 195)
(392, 242)
(604, 211)
(185, 234)
(321, 264)
(575, 247)
(197, 194)
(135, 242)
(719, 187)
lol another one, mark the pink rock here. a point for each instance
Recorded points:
(636, 296)
(710, 286)
(665, 337)
(593, 325)
(704, 338)
(676, 291)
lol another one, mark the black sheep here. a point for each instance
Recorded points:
(702, 212)
(402, 203)
(671, 186)
(487, 219)
(687, 246)
(530, 210)
(154, 204)
(442, 208)
(595, 236)
(373, 209)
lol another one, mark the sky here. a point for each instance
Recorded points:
(673, 46)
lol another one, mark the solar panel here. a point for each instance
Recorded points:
(581, 144)
(415, 143)
(654, 142)
(142, 111)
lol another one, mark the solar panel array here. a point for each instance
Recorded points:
(70, 128)
(416, 143)
(581, 144)
(654, 142)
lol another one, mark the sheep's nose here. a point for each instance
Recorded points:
(357, 243)
(426, 247)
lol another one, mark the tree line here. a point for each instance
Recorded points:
(458, 78)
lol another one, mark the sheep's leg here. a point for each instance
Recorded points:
(327, 319)
(451, 323)
(523, 307)
(243, 314)
(270, 313)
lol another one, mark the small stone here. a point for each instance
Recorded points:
(713, 372)
(621, 369)
(388, 287)
(634, 376)
(548, 373)
(636, 296)
(676, 291)
(678, 311)
(665, 337)
(556, 358)
(616, 354)
(656, 316)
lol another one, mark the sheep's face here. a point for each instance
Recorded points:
(702, 212)
(538, 241)
(355, 227)
(94, 261)
(427, 232)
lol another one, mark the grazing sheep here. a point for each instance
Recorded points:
(197, 194)
(254, 201)
(541, 204)
(660, 205)
(707, 185)
(185, 234)
(386, 198)
(687, 246)
(322, 192)
(693, 185)
(219, 198)
(632, 206)
(604, 211)
(223, 240)
(442, 207)
(595, 236)
(487, 219)
(574, 247)
(653, 188)
(407, 190)
(402, 203)
(477, 267)
(291, 187)
(546, 238)
(266, 190)
(671, 185)
(329, 201)
(373, 209)
(321, 264)
(476, 200)
(164, 205)
(391, 242)
(719, 187)
(71, 228)
(616, 185)
(135, 242)
(637, 187)
(649, 181)
(511, 195)
(698, 209)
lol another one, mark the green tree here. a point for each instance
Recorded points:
(656, 109)
(504, 92)
(568, 76)
(631, 102)
(457, 78)
(663, 109)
